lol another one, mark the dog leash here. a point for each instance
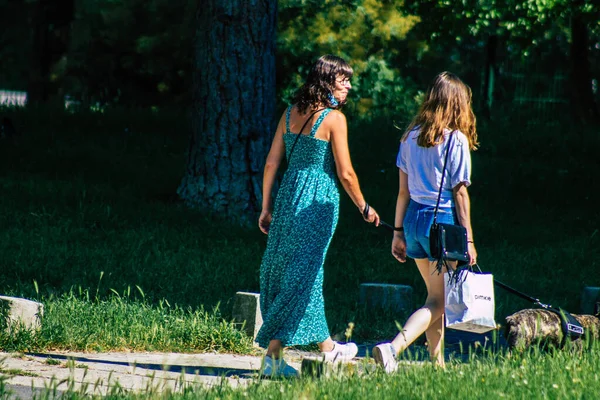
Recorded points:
(522, 295)
(570, 326)
(386, 225)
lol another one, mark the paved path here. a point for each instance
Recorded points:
(98, 372)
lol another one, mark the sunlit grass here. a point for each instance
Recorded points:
(74, 322)
(532, 375)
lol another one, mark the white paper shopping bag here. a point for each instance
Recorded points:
(470, 301)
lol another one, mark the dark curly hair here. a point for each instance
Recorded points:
(321, 82)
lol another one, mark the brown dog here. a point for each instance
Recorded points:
(540, 326)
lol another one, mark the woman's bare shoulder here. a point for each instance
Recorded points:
(336, 117)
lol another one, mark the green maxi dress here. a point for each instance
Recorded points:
(304, 219)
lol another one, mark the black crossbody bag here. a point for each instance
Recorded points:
(447, 242)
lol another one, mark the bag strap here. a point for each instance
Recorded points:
(300, 133)
(459, 275)
(437, 204)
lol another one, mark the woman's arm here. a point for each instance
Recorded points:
(399, 242)
(463, 210)
(345, 171)
(276, 154)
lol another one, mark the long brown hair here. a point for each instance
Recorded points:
(447, 105)
(320, 83)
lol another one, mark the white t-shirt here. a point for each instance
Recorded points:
(424, 165)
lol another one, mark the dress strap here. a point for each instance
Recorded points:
(315, 127)
(287, 118)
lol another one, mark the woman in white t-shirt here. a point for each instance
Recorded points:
(445, 119)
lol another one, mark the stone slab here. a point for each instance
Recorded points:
(590, 299)
(386, 297)
(246, 312)
(15, 310)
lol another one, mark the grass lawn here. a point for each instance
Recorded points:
(91, 228)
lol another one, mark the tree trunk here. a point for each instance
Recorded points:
(585, 107)
(51, 27)
(233, 106)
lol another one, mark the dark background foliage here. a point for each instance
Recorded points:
(135, 53)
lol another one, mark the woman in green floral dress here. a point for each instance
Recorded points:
(313, 135)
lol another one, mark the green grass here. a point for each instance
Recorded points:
(16, 372)
(76, 323)
(531, 375)
(88, 210)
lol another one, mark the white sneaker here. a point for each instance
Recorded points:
(340, 352)
(277, 368)
(385, 355)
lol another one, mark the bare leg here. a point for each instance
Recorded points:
(274, 349)
(435, 342)
(427, 318)
(274, 365)
(326, 345)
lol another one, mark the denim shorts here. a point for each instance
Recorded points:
(417, 222)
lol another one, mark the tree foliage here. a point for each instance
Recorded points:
(364, 32)
(131, 51)
(138, 52)
(530, 37)
(525, 24)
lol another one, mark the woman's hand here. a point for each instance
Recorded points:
(372, 216)
(264, 221)
(399, 247)
(472, 253)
